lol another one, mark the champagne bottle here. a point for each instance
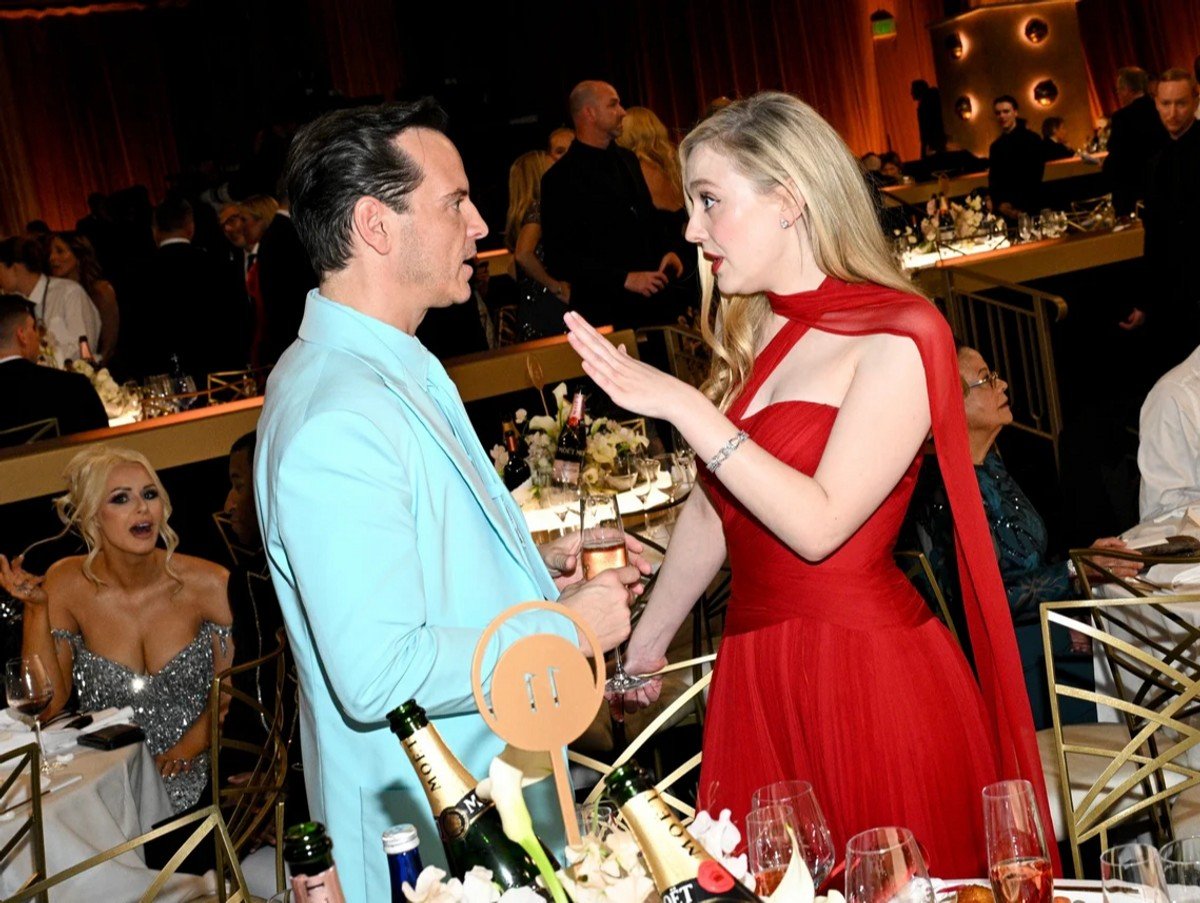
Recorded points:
(516, 471)
(682, 871)
(572, 445)
(309, 855)
(469, 826)
(85, 350)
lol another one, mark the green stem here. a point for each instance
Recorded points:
(530, 844)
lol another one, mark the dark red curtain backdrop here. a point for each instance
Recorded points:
(1153, 34)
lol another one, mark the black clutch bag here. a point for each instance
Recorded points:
(112, 737)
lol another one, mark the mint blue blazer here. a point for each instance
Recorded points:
(392, 544)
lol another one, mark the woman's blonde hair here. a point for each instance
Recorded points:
(524, 190)
(644, 133)
(777, 141)
(87, 475)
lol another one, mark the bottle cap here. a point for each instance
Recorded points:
(406, 718)
(400, 839)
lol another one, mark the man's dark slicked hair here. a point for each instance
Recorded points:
(174, 214)
(15, 311)
(1006, 98)
(346, 155)
(23, 250)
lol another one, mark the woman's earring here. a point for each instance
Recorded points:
(783, 224)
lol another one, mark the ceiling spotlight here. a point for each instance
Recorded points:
(962, 106)
(1045, 93)
(1036, 31)
(955, 46)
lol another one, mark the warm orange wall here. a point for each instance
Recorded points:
(898, 61)
(999, 60)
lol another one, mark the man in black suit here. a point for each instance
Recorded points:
(33, 393)
(1016, 162)
(194, 310)
(285, 277)
(1135, 135)
(929, 117)
(600, 229)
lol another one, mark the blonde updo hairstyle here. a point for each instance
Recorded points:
(79, 510)
(778, 141)
(644, 133)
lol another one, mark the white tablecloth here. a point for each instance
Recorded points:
(540, 518)
(119, 796)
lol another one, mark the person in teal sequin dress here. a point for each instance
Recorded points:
(1018, 531)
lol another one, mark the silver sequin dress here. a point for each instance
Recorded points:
(164, 705)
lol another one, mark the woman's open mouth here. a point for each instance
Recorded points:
(143, 530)
(715, 261)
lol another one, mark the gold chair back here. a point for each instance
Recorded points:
(29, 767)
(230, 385)
(916, 564)
(1158, 711)
(206, 822)
(253, 804)
(28, 433)
(688, 358)
(664, 719)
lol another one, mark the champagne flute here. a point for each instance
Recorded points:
(812, 832)
(1133, 873)
(1181, 868)
(29, 690)
(602, 547)
(885, 864)
(1018, 859)
(647, 479)
(1025, 226)
(769, 845)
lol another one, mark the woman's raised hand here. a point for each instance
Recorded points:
(21, 584)
(631, 384)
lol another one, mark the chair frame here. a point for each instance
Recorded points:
(38, 430)
(207, 821)
(249, 806)
(27, 756)
(1178, 679)
(1086, 565)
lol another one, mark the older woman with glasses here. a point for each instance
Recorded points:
(1018, 531)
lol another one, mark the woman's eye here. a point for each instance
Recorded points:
(707, 200)
(119, 499)
(150, 494)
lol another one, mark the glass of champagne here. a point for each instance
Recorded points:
(1133, 873)
(1025, 226)
(769, 845)
(1018, 859)
(30, 691)
(885, 864)
(812, 832)
(1181, 867)
(647, 478)
(602, 547)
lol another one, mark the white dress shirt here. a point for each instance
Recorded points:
(67, 312)
(1169, 444)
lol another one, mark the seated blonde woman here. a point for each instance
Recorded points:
(131, 623)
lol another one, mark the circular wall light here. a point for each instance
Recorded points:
(962, 106)
(954, 46)
(1036, 31)
(1045, 93)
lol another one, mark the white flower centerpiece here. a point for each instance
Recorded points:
(608, 443)
(971, 220)
(118, 402)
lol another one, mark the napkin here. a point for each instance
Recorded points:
(58, 738)
(18, 793)
(1176, 576)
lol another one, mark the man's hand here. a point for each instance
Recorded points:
(603, 602)
(1135, 319)
(562, 558)
(671, 261)
(646, 283)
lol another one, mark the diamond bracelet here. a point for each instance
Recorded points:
(726, 450)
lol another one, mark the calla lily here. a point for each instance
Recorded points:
(509, 772)
(560, 393)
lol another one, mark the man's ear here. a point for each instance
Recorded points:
(370, 220)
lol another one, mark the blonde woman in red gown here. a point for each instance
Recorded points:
(829, 373)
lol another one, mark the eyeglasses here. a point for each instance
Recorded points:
(991, 379)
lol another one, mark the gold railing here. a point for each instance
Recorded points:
(1012, 332)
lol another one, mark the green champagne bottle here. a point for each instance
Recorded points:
(682, 871)
(308, 852)
(469, 826)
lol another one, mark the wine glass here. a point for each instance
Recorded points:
(812, 832)
(1018, 859)
(596, 819)
(1181, 868)
(602, 547)
(885, 864)
(562, 498)
(647, 479)
(1133, 873)
(1025, 226)
(29, 689)
(769, 845)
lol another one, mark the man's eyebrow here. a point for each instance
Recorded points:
(457, 194)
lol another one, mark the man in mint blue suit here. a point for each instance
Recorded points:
(391, 540)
